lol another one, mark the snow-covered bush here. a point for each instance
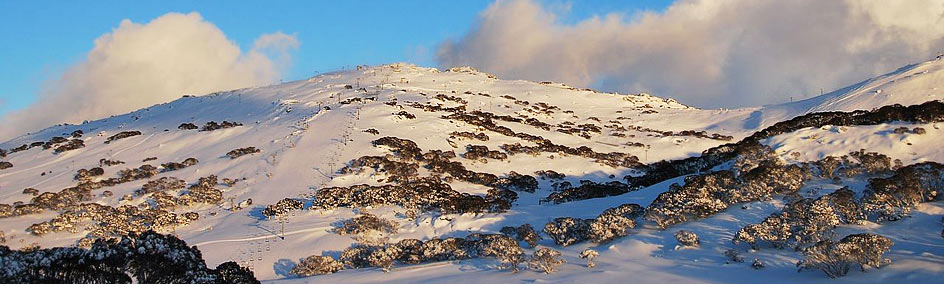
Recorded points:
(871, 162)
(173, 166)
(549, 174)
(236, 153)
(687, 238)
(566, 231)
(383, 257)
(482, 153)
(282, 207)
(204, 191)
(411, 251)
(701, 196)
(122, 135)
(524, 233)
(734, 255)
(614, 222)
(893, 197)
(546, 259)
(83, 175)
(518, 182)
(586, 190)
(357, 256)
(804, 221)
(369, 228)
(589, 255)
(396, 171)
(107, 162)
(71, 145)
(765, 180)
(212, 125)
(504, 248)
(160, 185)
(757, 264)
(445, 249)
(31, 191)
(147, 257)
(835, 258)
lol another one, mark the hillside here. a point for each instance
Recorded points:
(382, 126)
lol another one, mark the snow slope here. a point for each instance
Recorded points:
(307, 130)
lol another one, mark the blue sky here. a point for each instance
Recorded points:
(40, 39)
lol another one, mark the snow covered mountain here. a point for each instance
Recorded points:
(381, 126)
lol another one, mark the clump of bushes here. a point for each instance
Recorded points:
(687, 238)
(187, 126)
(413, 251)
(482, 153)
(614, 222)
(395, 170)
(107, 162)
(519, 182)
(804, 221)
(31, 191)
(173, 166)
(891, 198)
(160, 185)
(550, 174)
(566, 231)
(367, 227)
(71, 145)
(122, 135)
(589, 255)
(147, 257)
(316, 265)
(83, 175)
(524, 233)
(401, 147)
(236, 153)
(5, 165)
(836, 258)
(586, 190)
(754, 176)
(422, 194)
(470, 135)
(546, 260)
(204, 191)
(932, 111)
(212, 125)
(283, 207)
(405, 114)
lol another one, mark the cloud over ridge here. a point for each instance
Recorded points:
(705, 52)
(139, 65)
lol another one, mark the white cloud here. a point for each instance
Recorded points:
(139, 65)
(707, 53)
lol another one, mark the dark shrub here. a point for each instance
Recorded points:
(72, 145)
(187, 126)
(241, 152)
(122, 135)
